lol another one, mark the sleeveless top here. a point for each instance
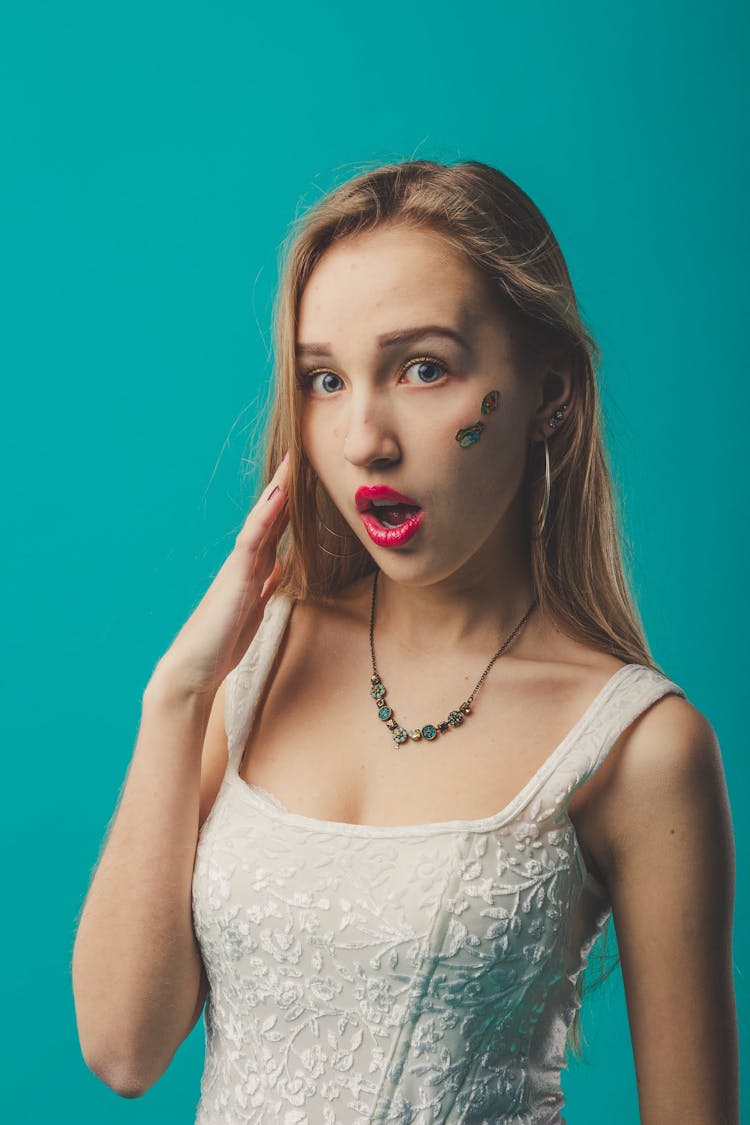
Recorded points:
(415, 974)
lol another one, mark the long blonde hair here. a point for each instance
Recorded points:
(577, 564)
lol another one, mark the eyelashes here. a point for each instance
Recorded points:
(305, 378)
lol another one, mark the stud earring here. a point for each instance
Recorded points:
(557, 417)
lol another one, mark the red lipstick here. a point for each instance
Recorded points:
(378, 503)
(364, 496)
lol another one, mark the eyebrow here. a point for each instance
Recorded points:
(389, 339)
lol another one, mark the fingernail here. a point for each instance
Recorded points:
(270, 494)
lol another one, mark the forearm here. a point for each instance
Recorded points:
(136, 964)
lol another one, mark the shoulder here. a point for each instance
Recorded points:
(664, 777)
(671, 743)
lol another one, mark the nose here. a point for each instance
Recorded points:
(371, 431)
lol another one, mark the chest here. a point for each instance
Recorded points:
(449, 943)
(316, 741)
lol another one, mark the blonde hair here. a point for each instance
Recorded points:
(577, 564)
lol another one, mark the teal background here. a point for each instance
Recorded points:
(154, 155)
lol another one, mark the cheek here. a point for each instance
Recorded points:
(321, 447)
(313, 437)
(321, 433)
(485, 454)
(469, 433)
(312, 450)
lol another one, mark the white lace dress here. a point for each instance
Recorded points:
(421, 974)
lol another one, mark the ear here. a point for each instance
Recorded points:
(554, 391)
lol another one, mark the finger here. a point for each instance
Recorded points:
(263, 515)
(272, 581)
(278, 524)
(262, 562)
(265, 554)
(278, 484)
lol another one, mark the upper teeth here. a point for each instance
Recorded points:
(385, 503)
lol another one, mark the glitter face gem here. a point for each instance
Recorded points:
(470, 434)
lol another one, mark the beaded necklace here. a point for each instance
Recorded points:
(455, 718)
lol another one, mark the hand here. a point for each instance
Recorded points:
(218, 633)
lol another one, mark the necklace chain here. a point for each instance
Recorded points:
(456, 717)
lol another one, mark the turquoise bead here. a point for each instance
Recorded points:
(455, 718)
(429, 731)
(400, 735)
(378, 691)
(384, 713)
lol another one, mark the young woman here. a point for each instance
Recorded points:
(411, 751)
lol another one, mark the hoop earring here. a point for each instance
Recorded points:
(542, 514)
(335, 554)
(330, 529)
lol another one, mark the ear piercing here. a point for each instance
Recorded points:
(557, 416)
(470, 435)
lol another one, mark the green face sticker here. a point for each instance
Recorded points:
(471, 434)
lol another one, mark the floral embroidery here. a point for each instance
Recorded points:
(371, 976)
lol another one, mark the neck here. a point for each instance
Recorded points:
(476, 607)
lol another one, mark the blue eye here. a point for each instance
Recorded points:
(426, 362)
(310, 378)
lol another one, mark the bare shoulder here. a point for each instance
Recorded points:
(670, 737)
(666, 767)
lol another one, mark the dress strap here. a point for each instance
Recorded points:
(245, 683)
(634, 689)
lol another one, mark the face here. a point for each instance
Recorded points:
(380, 412)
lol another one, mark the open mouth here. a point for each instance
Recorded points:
(392, 515)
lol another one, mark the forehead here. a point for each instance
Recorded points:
(380, 280)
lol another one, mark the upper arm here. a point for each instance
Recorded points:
(671, 883)
(214, 758)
